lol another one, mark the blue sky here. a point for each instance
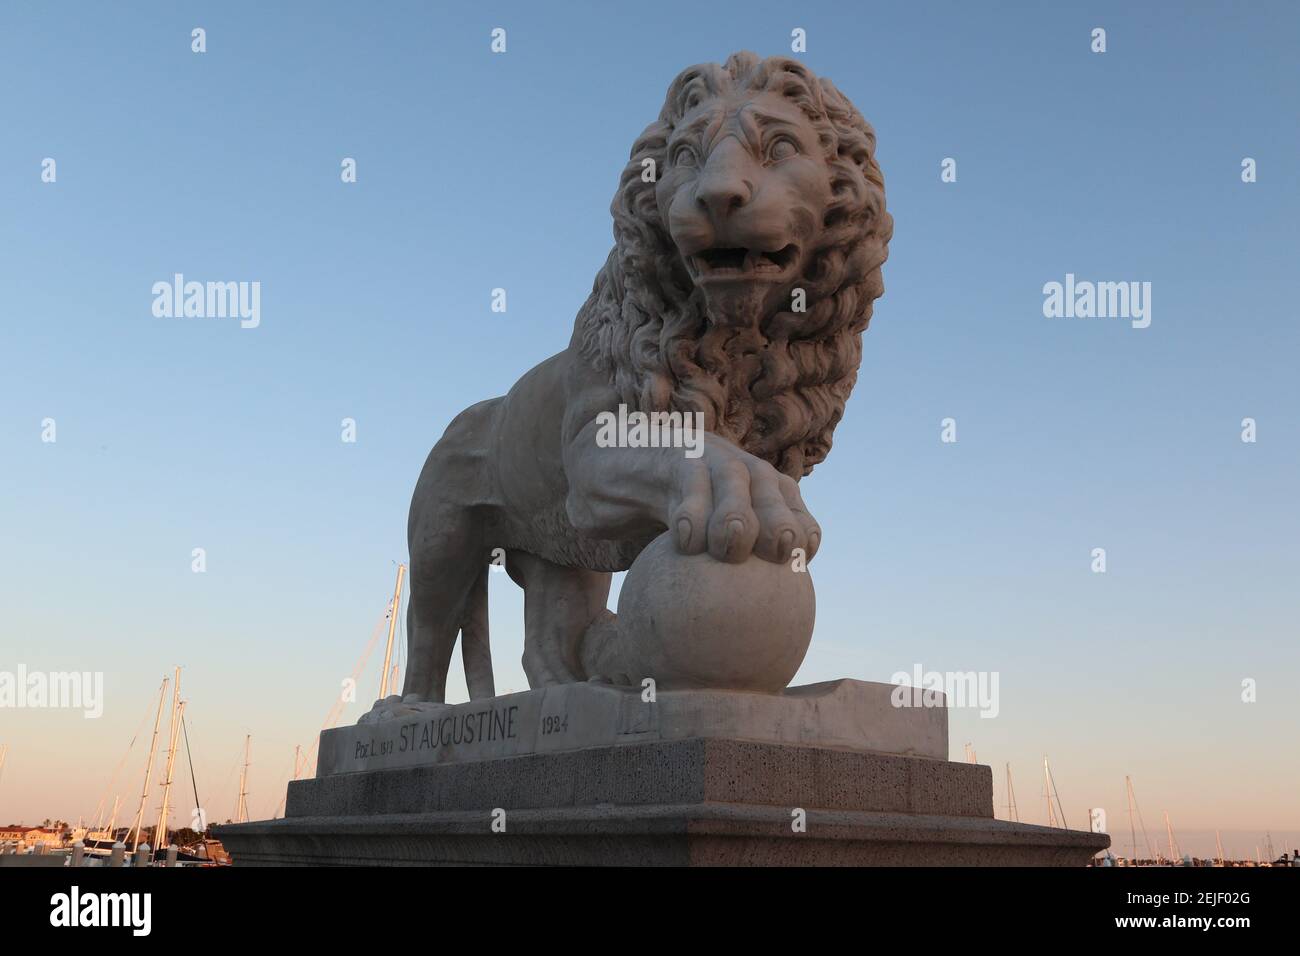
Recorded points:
(478, 171)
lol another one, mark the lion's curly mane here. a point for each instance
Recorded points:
(777, 390)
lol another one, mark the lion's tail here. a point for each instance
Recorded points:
(475, 648)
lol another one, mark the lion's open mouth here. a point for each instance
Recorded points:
(737, 262)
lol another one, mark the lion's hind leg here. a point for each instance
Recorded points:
(475, 647)
(445, 568)
(559, 605)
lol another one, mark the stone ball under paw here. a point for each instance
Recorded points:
(690, 621)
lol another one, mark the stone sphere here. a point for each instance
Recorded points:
(690, 621)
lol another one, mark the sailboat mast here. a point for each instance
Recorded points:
(160, 834)
(148, 767)
(1013, 812)
(160, 831)
(241, 810)
(99, 811)
(1047, 793)
(1173, 849)
(1219, 844)
(392, 629)
(1049, 790)
(1132, 828)
(199, 816)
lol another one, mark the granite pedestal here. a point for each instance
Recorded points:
(587, 774)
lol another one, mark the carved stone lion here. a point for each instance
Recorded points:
(750, 229)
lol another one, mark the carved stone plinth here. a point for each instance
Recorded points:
(678, 786)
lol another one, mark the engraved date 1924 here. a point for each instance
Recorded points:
(555, 724)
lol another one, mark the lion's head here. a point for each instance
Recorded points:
(756, 188)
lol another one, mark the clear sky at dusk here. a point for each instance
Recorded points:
(478, 170)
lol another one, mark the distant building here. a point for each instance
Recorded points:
(30, 836)
(49, 837)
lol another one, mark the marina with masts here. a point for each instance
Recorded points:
(138, 844)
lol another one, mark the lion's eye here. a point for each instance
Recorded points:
(684, 155)
(781, 148)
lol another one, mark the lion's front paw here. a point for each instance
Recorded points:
(733, 504)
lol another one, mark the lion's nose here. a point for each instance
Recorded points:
(722, 197)
(724, 187)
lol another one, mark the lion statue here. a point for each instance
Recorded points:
(750, 229)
